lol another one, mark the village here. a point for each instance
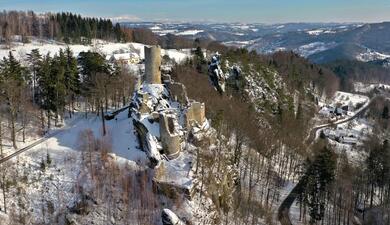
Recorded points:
(345, 106)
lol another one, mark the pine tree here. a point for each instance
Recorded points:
(58, 83)
(71, 77)
(321, 174)
(13, 77)
(34, 58)
(45, 86)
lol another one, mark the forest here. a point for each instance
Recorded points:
(73, 28)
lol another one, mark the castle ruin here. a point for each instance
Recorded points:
(163, 104)
(195, 114)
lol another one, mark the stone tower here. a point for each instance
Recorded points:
(152, 65)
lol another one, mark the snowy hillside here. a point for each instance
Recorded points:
(107, 48)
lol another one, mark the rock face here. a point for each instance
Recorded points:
(153, 65)
(216, 74)
(170, 137)
(170, 218)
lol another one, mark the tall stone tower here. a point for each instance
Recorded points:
(152, 65)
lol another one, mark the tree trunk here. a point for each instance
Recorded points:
(42, 121)
(13, 132)
(1, 140)
(103, 121)
(4, 190)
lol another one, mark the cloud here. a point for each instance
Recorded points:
(125, 18)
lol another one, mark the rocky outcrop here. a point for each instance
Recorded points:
(216, 74)
(170, 218)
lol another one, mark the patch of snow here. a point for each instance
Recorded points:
(155, 28)
(371, 55)
(315, 32)
(189, 32)
(315, 47)
(366, 88)
(345, 98)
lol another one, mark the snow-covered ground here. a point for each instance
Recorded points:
(367, 88)
(315, 47)
(345, 98)
(120, 132)
(315, 32)
(55, 183)
(371, 55)
(189, 32)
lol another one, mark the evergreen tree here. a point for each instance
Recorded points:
(321, 174)
(58, 83)
(91, 64)
(71, 77)
(34, 59)
(12, 81)
(46, 88)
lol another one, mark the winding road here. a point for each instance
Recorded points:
(284, 208)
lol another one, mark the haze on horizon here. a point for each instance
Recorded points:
(247, 11)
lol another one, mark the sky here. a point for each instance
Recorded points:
(247, 11)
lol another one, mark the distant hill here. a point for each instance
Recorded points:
(345, 51)
(320, 42)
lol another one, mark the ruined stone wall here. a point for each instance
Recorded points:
(152, 65)
(178, 92)
(195, 113)
(170, 140)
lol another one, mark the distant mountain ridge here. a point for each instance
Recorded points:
(319, 42)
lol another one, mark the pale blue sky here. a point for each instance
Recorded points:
(264, 11)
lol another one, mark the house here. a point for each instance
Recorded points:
(339, 111)
(125, 58)
(327, 111)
